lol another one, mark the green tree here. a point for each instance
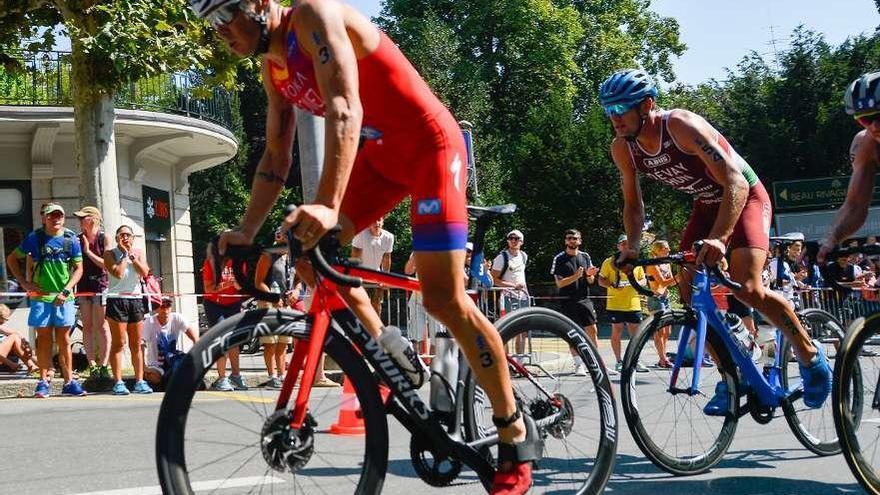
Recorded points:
(526, 73)
(112, 43)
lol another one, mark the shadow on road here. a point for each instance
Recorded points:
(637, 475)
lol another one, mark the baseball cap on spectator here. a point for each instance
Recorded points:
(167, 302)
(469, 246)
(88, 211)
(51, 208)
(516, 233)
(621, 238)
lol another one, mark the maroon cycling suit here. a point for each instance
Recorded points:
(688, 173)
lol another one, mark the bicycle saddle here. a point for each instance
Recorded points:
(477, 212)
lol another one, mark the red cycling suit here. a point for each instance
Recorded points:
(410, 143)
(687, 173)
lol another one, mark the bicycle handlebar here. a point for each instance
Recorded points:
(240, 255)
(678, 259)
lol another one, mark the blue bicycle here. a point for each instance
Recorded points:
(665, 407)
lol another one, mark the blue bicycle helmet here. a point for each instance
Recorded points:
(627, 88)
(863, 94)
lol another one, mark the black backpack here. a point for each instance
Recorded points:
(507, 260)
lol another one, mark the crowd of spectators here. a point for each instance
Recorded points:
(110, 275)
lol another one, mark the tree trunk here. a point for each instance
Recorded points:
(94, 142)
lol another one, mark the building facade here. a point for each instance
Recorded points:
(157, 145)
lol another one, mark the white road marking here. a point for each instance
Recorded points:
(198, 486)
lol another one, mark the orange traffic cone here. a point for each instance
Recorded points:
(350, 421)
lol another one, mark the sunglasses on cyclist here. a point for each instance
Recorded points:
(222, 16)
(617, 109)
(868, 119)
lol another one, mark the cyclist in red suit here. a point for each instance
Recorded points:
(731, 207)
(387, 137)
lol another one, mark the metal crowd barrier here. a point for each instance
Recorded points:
(846, 306)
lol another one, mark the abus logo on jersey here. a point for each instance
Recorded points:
(657, 161)
(428, 207)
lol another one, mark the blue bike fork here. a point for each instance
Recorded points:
(699, 352)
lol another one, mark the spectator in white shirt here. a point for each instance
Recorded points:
(373, 247)
(164, 346)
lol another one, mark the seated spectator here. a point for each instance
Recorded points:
(12, 342)
(164, 347)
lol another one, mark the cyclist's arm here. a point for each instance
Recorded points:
(325, 37)
(854, 211)
(698, 137)
(274, 165)
(633, 207)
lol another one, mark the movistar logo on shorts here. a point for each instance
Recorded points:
(370, 133)
(428, 207)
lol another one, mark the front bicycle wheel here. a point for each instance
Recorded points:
(857, 403)
(814, 428)
(575, 410)
(236, 442)
(666, 421)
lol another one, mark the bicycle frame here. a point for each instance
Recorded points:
(405, 404)
(768, 390)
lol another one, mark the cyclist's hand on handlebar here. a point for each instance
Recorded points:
(826, 245)
(233, 238)
(626, 255)
(310, 222)
(712, 252)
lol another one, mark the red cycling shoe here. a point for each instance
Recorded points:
(514, 475)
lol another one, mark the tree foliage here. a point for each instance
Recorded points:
(526, 73)
(788, 121)
(122, 40)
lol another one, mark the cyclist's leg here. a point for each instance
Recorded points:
(446, 300)
(745, 268)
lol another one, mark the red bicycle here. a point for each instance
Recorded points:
(267, 440)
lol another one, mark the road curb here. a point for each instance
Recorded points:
(24, 387)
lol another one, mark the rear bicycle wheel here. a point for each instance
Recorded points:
(856, 408)
(236, 441)
(814, 428)
(581, 438)
(670, 428)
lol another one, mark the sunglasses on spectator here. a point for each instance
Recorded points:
(222, 16)
(868, 119)
(125, 235)
(513, 238)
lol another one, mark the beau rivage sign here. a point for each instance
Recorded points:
(157, 211)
